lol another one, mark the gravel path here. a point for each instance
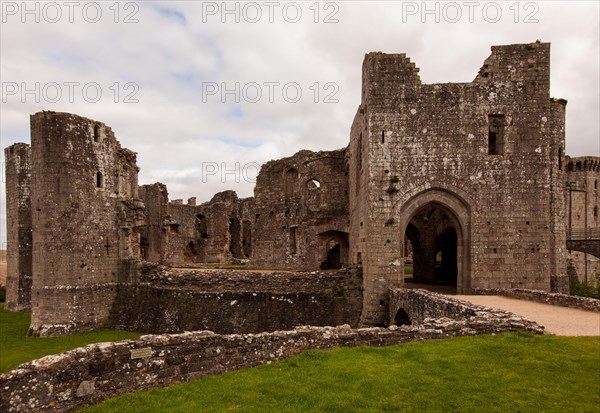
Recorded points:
(562, 321)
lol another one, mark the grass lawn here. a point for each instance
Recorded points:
(505, 373)
(17, 348)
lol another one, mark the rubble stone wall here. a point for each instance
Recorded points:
(236, 301)
(90, 374)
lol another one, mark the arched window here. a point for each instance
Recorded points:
(99, 180)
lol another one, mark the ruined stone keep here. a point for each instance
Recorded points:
(467, 179)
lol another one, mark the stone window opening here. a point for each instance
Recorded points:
(96, 133)
(144, 247)
(201, 226)
(333, 259)
(293, 243)
(99, 180)
(190, 253)
(496, 134)
(595, 212)
(290, 182)
(313, 184)
(382, 136)
(313, 195)
(560, 159)
(235, 238)
(247, 238)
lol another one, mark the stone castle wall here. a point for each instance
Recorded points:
(18, 231)
(177, 234)
(471, 175)
(236, 301)
(427, 149)
(301, 207)
(582, 200)
(80, 175)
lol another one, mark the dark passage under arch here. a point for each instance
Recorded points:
(432, 233)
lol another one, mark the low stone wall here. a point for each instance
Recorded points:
(564, 300)
(419, 307)
(90, 374)
(167, 300)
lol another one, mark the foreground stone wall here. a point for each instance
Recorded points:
(96, 372)
(236, 301)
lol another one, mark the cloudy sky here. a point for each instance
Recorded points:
(206, 91)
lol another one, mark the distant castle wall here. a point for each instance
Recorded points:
(582, 200)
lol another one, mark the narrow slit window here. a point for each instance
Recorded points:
(99, 180)
(496, 134)
(560, 159)
(293, 244)
(96, 133)
(382, 136)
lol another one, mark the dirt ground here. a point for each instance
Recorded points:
(2, 267)
(561, 321)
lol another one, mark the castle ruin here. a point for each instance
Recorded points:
(469, 178)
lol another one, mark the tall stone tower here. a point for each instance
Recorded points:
(469, 174)
(18, 222)
(80, 178)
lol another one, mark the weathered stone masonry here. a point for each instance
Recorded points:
(582, 202)
(470, 175)
(80, 178)
(472, 171)
(18, 212)
(167, 300)
(88, 375)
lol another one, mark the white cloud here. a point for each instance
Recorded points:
(171, 52)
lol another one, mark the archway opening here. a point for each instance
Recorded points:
(335, 249)
(333, 259)
(402, 318)
(433, 233)
(189, 255)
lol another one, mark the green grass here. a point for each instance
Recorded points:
(505, 373)
(17, 348)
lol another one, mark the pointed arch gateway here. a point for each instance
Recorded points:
(436, 223)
